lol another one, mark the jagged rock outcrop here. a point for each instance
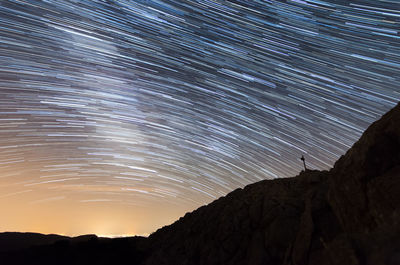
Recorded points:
(364, 192)
(260, 224)
(349, 215)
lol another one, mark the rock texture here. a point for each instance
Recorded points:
(364, 192)
(261, 224)
(349, 215)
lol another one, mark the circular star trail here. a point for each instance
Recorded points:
(130, 105)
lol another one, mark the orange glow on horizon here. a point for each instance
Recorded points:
(44, 211)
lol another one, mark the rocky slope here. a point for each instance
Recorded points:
(348, 215)
(260, 224)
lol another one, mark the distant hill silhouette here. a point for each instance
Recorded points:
(349, 215)
(14, 241)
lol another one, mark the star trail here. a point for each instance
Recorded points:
(117, 117)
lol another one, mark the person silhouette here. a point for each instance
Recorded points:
(304, 162)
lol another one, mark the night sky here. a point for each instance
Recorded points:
(117, 117)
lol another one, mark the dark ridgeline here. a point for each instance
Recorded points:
(348, 215)
(88, 249)
(10, 241)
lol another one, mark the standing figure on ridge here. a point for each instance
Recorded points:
(304, 162)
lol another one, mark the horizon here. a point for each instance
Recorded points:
(118, 117)
(77, 235)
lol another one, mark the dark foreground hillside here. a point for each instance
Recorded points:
(348, 215)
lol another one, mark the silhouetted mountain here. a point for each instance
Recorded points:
(13, 240)
(88, 249)
(348, 215)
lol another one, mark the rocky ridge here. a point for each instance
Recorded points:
(348, 215)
